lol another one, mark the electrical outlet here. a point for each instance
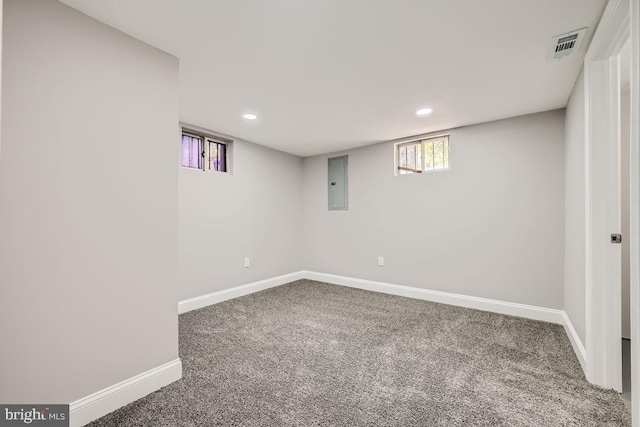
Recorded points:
(380, 261)
(247, 262)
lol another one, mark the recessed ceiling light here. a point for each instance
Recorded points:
(250, 116)
(424, 111)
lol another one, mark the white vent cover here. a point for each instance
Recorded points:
(565, 44)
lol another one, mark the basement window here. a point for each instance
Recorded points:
(204, 152)
(425, 155)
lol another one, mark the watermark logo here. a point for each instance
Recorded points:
(36, 415)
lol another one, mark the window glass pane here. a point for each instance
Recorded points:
(217, 156)
(213, 156)
(186, 151)
(428, 151)
(410, 157)
(222, 157)
(438, 154)
(446, 153)
(191, 149)
(402, 158)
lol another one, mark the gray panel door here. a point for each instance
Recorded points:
(338, 185)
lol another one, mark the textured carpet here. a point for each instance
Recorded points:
(313, 354)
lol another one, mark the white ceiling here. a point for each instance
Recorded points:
(326, 75)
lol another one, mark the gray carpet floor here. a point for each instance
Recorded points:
(314, 354)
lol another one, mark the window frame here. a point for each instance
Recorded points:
(207, 139)
(421, 142)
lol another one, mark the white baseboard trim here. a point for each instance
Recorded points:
(502, 307)
(576, 343)
(96, 405)
(235, 292)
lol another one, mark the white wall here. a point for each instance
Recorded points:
(254, 212)
(575, 190)
(491, 227)
(89, 196)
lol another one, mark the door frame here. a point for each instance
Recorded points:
(602, 202)
(634, 232)
(602, 198)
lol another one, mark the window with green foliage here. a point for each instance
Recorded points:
(424, 155)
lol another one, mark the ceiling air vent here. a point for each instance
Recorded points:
(565, 44)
